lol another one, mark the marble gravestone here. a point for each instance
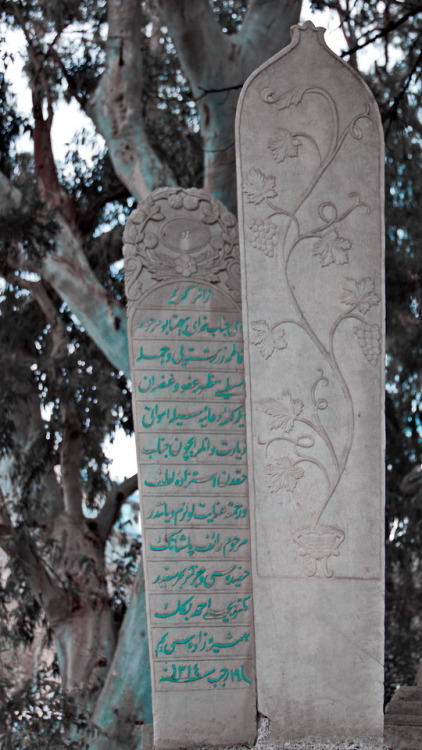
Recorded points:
(186, 346)
(310, 188)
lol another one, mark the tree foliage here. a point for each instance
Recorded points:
(159, 82)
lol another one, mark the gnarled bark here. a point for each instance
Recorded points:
(116, 107)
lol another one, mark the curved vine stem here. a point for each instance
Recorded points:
(327, 353)
(311, 140)
(319, 429)
(309, 460)
(337, 219)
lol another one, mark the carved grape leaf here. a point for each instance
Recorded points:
(267, 339)
(137, 217)
(283, 410)
(154, 213)
(258, 186)
(283, 474)
(283, 144)
(360, 294)
(292, 97)
(331, 248)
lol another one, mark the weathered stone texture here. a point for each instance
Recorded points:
(184, 318)
(310, 182)
(403, 719)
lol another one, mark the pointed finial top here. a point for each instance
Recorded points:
(309, 26)
(307, 30)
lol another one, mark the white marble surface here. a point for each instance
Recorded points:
(184, 319)
(310, 182)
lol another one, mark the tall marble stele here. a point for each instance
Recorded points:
(186, 347)
(310, 194)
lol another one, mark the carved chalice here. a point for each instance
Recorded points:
(319, 543)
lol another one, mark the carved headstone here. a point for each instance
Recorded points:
(184, 319)
(310, 181)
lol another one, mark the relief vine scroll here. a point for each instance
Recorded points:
(310, 187)
(184, 317)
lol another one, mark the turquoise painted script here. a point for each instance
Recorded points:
(182, 355)
(190, 448)
(191, 385)
(191, 325)
(197, 511)
(181, 541)
(195, 576)
(191, 294)
(185, 478)
(188, 609)
(200, 642)
(182, 674)
(204, 417)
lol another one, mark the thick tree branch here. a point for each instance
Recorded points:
(216, 66)
(112, 506)
(127, 690)
(197, 37)
(116, 107)
(266, 29)
(69, 273)
(103, 318)
(70, 461)
(51, 191)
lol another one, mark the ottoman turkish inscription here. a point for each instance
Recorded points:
(310, 188)
(184, 317)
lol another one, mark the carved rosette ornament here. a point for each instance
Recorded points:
(181, 234)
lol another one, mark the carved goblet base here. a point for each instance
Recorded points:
(319, 543)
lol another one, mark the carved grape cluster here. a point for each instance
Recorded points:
(264, 236)
(369, 337)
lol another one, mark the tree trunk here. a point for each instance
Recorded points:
(217, 65)
(124, 703)
(79, 610)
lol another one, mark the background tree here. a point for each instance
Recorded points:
(159, 80)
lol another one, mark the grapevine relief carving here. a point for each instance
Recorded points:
(295, 421)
